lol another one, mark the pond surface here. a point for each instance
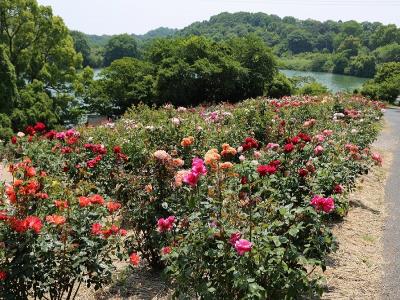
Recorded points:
(335, 82)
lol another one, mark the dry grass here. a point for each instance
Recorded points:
(355, 270)
(141, 283)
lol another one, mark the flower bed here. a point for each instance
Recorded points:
(232, 201)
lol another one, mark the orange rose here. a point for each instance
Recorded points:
(56, 219)
(186, 142)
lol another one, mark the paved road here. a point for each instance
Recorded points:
(390, 139)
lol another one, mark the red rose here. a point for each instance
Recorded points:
(39, 126)
(135, 259)
(84, 201)
(295, 140)
(30, 171)
(14, 140)
(263, 170)
(288, 148)
(117, 149)
(96, 229)
(3, 275)
(113, 206)
(338, 189)
(249, 143)
(303, 172)
(30, 130)
(166, 250)
(34, 223)
(96, 199)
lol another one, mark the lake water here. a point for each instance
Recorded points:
(335, 82)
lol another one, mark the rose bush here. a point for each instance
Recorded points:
(54, 239)
(234, 200)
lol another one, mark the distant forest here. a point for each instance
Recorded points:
(349, 47)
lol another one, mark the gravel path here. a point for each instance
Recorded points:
(390, 139)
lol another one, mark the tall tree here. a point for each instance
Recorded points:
(120, 46)
(8, 83)
(81, 46)
(42, 55)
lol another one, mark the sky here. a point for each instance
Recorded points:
(140, 16)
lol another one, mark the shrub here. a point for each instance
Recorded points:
(56, 234)
(234, 200)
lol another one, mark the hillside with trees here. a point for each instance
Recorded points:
(350, 47)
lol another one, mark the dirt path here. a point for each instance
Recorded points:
(356, 270)
(391, 241)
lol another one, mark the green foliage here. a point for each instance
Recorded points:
(8, 83)
(340, 63)
(5, 127)
(385, 85)
(118, 47)
(388, 53)
(49, 250)
(313, 88)
(299, 41)
(81, 46)
(185, 71)
(127, 82)
(35, 105)
(279, 87)
(363, 66)
(37, 55)
(141, 160)
(290, 38)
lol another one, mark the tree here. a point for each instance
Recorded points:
(340, 63)
(299, 41)
(8, 83)
(352, 28)
(385, 84)
(37, 51)
(253, 54)
(350, 46)
(120, 46)
(126, 82)
(385, 35)
(388, 53)
(279, 87)
(81, 46)
(363, 66)
(196, 69)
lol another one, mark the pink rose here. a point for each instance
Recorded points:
(165, 224)
(319, 138)
(377, 158)
(318, 150)
(234, 238)
(198, 166)
(242, 246)
(191, 178)
(272, 146)
(323, 204)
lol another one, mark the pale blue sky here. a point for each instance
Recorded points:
(140, 16)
